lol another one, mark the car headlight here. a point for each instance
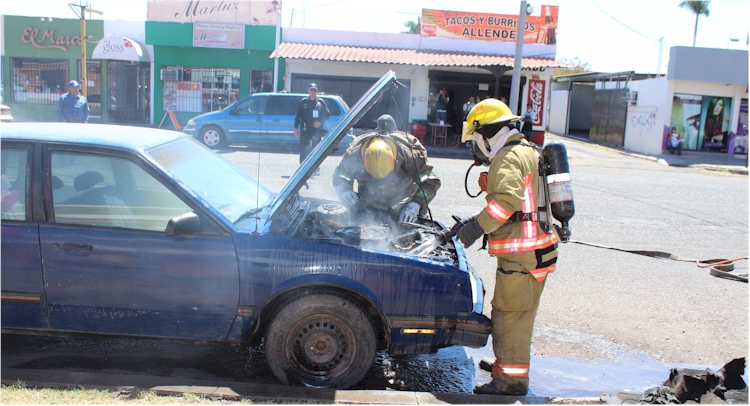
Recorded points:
(191, 122)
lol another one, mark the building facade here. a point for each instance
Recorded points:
(192, 76)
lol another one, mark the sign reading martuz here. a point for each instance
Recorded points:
(491, 27)
(253, 12)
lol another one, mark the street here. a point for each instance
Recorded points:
(608, 320)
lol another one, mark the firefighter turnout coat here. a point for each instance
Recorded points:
(516, 238)
(397, 189)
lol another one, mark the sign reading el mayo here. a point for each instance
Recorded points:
(490, 27)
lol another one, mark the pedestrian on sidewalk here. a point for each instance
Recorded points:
(525, 249)
(72, 107)
(675, 143)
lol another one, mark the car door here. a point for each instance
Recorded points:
(23, 298)
(281, 111)
(245, 120)
(108, 264)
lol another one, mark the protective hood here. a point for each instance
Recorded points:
(327, 144)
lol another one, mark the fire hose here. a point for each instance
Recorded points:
(722, 268)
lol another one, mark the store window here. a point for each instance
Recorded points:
(37, 80)
(93, 87)
(199, 90)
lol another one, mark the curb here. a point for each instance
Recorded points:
(232, 390)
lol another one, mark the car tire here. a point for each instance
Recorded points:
(321, 340)
(213, 137)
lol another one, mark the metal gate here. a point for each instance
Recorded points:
(395, 103)
(608, 117)
(128, 92)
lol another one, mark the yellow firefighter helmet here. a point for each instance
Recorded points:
(379, 156)
(487, 111)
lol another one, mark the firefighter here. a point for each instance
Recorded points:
(526, 250)
(391, 171)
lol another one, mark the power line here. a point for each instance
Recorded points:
(622, 23)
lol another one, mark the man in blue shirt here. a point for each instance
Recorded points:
(72, 107)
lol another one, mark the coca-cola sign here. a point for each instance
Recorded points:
(536, 99)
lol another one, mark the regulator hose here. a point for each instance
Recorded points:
(466, 183)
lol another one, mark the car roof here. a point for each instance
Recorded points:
(126, 137)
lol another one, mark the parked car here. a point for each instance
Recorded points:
(259, 118)
(5, 116)
(145, 233)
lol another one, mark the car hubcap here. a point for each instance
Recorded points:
(211, 137)
(320, 345)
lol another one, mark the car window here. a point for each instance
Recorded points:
(14, 183)
(283, 105)
(253, 105)
(333, 106)
(107, 191)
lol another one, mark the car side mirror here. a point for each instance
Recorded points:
(188, 223)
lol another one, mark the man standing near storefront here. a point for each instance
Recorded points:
(72, 107)
(312, 113)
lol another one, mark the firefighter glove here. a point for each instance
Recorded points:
(410, 213)
(470, 233)
(349, 198)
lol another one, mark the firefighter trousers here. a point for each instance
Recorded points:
(514, 307)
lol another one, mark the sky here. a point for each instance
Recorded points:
(610, 35)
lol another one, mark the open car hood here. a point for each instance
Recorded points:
(327, 144)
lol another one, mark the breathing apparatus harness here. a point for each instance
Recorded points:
(555, 195)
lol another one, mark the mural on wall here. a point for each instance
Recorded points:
(686, 118)
(715, 112)
(740, 143)
(702, 121)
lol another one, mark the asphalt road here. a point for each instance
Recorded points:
(604, 304)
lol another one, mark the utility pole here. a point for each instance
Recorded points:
(658, 60)
(84, 9)
(515, 83)
(277, 9)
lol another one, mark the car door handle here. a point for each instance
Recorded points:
(83, 248)
(276, 120)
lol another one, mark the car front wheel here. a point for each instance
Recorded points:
(320, 340)
(212, 137)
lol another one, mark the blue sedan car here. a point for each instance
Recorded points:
(144, 233)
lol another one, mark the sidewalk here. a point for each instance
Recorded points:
(715, 161)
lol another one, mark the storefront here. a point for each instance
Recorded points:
(208, 56)
(126, 63)
(464, 61)
(41, 56)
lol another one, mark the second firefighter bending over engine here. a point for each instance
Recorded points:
(391, 171)
(526, 249)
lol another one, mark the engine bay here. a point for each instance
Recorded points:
(332, 222)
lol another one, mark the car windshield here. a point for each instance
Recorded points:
(222, 185)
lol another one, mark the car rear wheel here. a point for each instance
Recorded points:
(213, 137)
(320, 340)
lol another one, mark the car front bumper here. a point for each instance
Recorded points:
(424, 335)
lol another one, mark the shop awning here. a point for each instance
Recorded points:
(120, 49)
(322, 52)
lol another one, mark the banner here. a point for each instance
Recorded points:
(686, 119)
(715, 119)
(490, 27)
(219, 35)
(536, 99)
(253, 12)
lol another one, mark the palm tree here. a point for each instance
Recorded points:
(698, 8)
(413, 27)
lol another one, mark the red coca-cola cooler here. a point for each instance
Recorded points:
(419, 130)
